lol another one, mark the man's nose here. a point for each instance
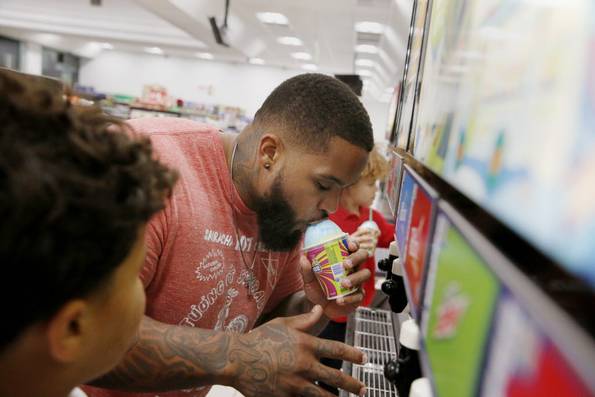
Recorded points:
(330, 202)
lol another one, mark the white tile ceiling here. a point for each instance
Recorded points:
(181, 28)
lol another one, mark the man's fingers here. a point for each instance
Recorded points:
(336, 378)
(337, 350)
(352, 244)
(306, 389)
(356, 258)
(351, 300)
(306, 269)
(356, 279)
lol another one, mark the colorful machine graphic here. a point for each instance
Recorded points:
(403, 210)
(523, 361)
(417, 245)
(460, 296)
(393, 181)
(509, 121)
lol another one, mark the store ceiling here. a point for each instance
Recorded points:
(325, 28)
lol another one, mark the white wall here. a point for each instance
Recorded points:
(245, 86)
(31, 58)
(242, 85)
(378, 112)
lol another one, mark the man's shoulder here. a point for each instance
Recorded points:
(178, 141)
(169, 126)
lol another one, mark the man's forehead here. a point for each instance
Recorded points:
(341, 163)
(342, 178)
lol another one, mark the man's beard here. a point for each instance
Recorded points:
(277, 223)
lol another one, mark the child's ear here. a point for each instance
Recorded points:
(65, 331)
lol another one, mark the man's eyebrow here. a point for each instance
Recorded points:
(336, 180)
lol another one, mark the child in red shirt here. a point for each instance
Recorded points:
(354, 209)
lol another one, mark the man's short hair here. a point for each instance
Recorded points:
(74, 192)
(312, 108)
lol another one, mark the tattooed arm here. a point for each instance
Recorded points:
(278, 359)
(169, 357)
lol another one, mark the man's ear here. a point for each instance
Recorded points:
(66, 330)
(269, 150)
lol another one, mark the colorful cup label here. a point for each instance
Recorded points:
(327, 263)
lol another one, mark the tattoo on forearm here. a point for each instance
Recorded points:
(170, 358)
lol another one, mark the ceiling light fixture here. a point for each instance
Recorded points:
(289, 40)
(366, 48)
(369, 27)
(102, 45)
(204, 55)
(273, 18)
(256, 61)
(303, 56)
(364, 62)
(154, 50)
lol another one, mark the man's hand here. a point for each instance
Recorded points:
(280, 359)
(344, 305)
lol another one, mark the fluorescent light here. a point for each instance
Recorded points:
(289, 40)
(102, 45)
(204, 55)
(364, 62)
(309, 66)
(154, 50)
(273, 18)
(47, 38)
(369, 27)
(363, 72)
(256, 61)
(304, 56)
(366, 48)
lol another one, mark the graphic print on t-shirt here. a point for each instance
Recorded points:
(271, 265)
(211, 267)
(224, 312)
(228, 279)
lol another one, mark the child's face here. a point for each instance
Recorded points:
(116, 312)
(363, 192)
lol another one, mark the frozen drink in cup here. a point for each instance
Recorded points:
(325, 246)
(371, 227)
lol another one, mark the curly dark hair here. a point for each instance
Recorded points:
(312, 108)
(75, 188)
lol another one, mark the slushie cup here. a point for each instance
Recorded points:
(325, 246)
(373, 228)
